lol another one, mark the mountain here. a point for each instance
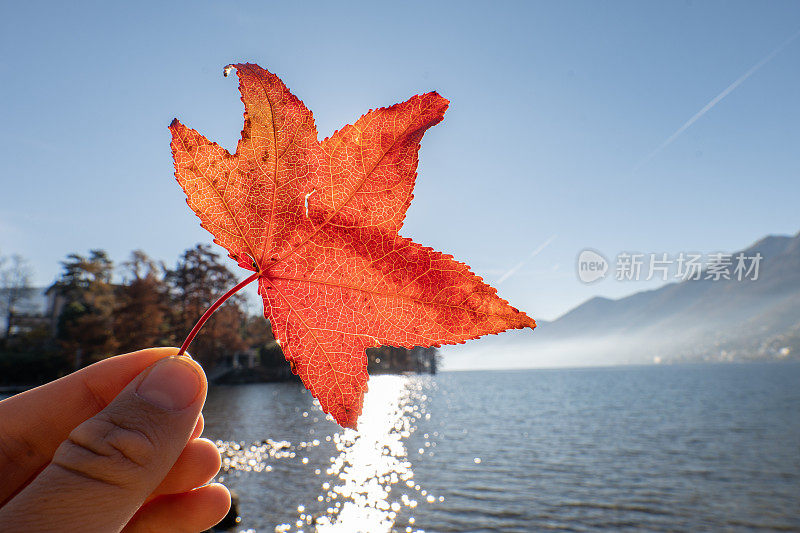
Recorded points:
(693, 320)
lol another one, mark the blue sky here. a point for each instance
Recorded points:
(555, 109)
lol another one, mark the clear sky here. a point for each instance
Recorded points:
(616, 126)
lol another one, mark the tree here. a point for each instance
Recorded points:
(15, 288)
(197, 281)
(258, 332)
(85, 326)
(140, 313)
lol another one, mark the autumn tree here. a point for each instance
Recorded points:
(15, 288)
(199, 278)
(140, 314)
(85, 326)
(256, 332)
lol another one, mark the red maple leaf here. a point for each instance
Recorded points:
(317, 222)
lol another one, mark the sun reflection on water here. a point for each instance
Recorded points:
(369, 482)
(372, 465)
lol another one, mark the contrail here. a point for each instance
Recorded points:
(533, 254)
(717, 99)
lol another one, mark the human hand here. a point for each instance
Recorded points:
(112, 447)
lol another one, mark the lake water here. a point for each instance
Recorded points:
(670, 448)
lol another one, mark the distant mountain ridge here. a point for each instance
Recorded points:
(706, 319)
(693, 320)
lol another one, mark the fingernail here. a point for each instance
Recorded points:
(170, 384)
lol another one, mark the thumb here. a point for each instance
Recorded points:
(109, 464)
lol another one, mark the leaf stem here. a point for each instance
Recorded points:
(213, 308)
